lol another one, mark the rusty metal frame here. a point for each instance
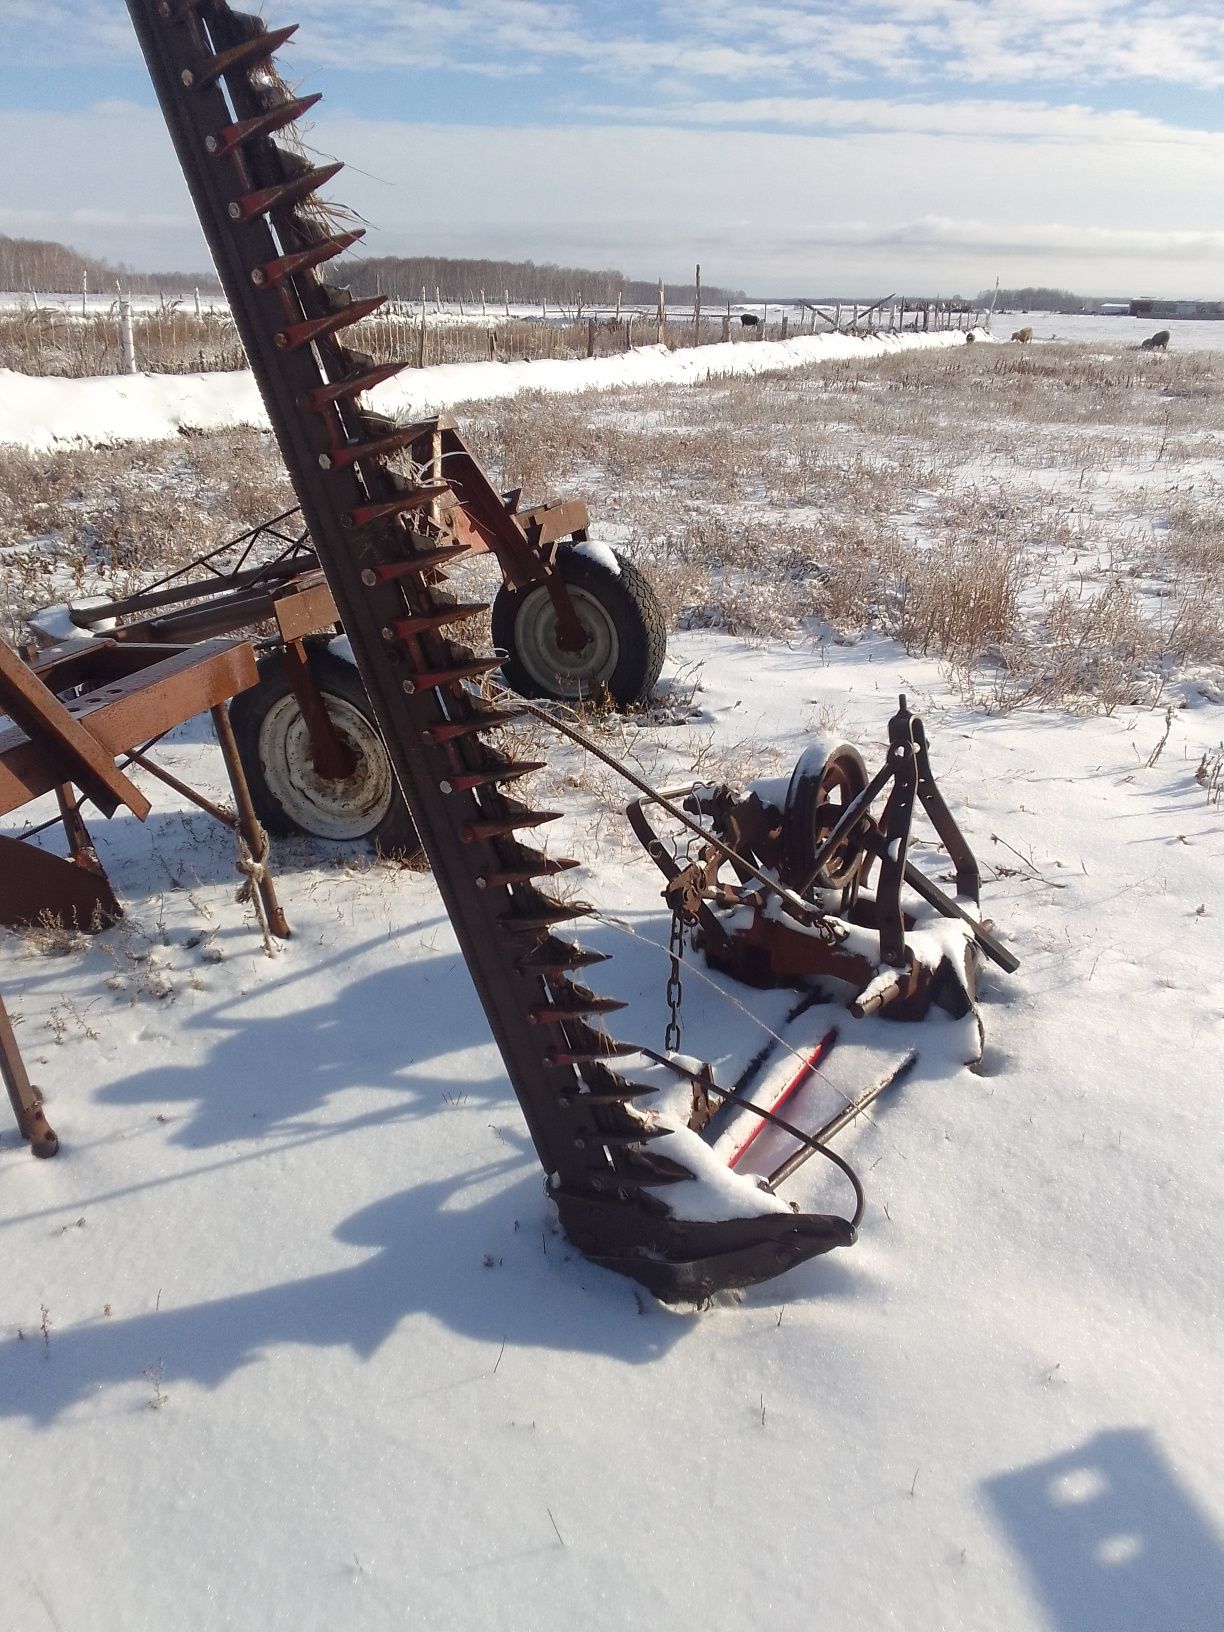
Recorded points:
(778, 948)
(23, 1096)
(74, 712)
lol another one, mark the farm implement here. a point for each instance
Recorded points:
(654, 1197)
(575, 621)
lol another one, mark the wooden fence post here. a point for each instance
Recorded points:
(590, 337)
(785, 324)
(421, 335)
(127, 340)
(697, 307)
(661, 316)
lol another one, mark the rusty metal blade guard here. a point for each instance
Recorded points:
(381, 543)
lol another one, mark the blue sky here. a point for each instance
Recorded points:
(922, 145)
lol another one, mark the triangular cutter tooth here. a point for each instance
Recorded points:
(259, 47)
(263, 124)
(517, 816)
(273, 273)
(283, 193)
(431, 679)
(295, 335)
(415, 565)
(557, 957)
(482, 718)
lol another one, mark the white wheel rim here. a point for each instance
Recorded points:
(566, 674)
(351, 807)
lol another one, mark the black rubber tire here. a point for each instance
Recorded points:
(267, 723)
(620, 609)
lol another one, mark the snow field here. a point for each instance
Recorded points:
(316, 1355)
(41, 412)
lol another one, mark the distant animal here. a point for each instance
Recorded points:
(750, 320)
(1156, 342)
(970, 338)
(1022, 336)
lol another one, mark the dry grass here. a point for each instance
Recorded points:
(83, 521)
(1048, 524)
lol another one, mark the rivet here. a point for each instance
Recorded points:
(445, 787)
(369, 577)
(235, 211)
(409, 687)
(210, 144)
(387, 633)
(258, 276)
(187, 77)
(482, 882)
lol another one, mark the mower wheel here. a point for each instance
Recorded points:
(620, 613)
(822, 784)
(287, 791)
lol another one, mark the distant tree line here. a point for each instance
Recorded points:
(29, 264)
(32, 264)
(403, 278)
(1036, 299)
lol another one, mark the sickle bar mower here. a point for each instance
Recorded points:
(382, 547)
(383, 543)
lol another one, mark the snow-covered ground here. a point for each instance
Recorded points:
(288, 1338)
(1111, 333)
(103, 303)
(38, 411)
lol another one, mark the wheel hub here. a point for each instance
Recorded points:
(338, 808)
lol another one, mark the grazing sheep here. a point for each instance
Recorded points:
(1156, 342)
(1022, 336)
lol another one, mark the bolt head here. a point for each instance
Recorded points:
(187, 77)
(258, 276)
(369, 577)
(445, 787)
(235, 211)
(210, 144)
(325, 462)
(409, 687)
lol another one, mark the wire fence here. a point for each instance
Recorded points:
(179, 338)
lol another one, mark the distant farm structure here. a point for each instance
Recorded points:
(1146, 306)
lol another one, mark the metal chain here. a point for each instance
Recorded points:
(675, 994)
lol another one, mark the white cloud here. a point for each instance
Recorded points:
(970, 117)
(800, 45)
(773, 211)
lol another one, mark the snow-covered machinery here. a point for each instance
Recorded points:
(816, 891)
(640, 1192)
